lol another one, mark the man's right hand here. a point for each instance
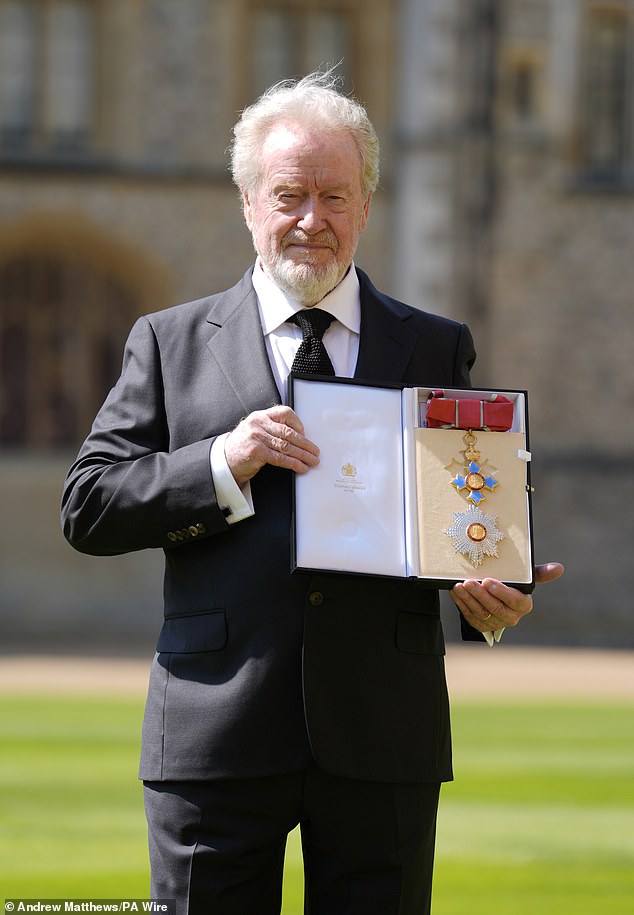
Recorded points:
(274, 436)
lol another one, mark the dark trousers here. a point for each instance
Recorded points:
(218, 846)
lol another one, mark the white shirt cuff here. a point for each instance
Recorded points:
(230, 496)
(493, 637)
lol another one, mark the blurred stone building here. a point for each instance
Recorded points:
(505, 201)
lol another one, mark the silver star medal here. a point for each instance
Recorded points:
(475, 534)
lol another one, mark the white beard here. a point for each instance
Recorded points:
(306, 283)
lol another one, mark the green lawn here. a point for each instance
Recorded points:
(539, 820)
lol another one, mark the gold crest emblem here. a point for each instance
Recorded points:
(349, 470)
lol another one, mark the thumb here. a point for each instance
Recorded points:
(548, 571)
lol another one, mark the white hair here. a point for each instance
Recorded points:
(314, 101)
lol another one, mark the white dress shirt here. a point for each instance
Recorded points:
(282, 340)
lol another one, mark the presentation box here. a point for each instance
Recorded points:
(414, 482)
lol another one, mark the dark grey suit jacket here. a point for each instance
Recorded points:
(251, 675)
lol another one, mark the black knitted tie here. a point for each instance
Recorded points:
(311, 356)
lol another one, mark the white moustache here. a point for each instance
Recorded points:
(299, 238)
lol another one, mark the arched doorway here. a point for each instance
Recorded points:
(63, 323)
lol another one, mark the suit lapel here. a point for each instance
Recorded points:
(237, 343)
(386, 342)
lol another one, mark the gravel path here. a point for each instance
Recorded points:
(473, 671)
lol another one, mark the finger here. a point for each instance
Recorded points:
(466, 598)
(481, 622)
(286, 439)
(548, 571)
(264, 437)
(285, 416)
(491, 603)
(508, 598)
(281, 452)
(459, 600)
(275, 441)
(284, 425)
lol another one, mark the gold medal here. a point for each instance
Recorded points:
(474, 478)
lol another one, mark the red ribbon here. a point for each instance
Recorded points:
(492, 415)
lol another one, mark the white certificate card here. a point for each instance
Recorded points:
(349, 511)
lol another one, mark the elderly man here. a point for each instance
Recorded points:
(278, 698)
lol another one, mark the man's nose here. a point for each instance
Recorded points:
(312, 216)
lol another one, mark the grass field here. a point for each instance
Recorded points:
(539, 820)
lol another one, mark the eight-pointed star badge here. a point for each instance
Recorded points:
(475, 534)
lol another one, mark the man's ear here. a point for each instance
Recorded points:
(247, 209)
(365, 213)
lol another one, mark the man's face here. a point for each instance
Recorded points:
(308, 210)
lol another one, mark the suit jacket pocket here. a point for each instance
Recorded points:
(194, 633)
(419, 633)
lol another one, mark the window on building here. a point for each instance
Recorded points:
(524, 92)
(606, 93)
(520, 89)
(47, 74)
(292, 37)
(62, 330)
(18, 68)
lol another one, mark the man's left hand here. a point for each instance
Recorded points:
(489, 605)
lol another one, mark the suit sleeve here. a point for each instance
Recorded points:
(127, 490)
(464, 359)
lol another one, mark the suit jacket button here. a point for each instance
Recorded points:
(201, 528)
(193, 530)
(316, 598)
(172, 536)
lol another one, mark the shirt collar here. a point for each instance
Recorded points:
(276, 306)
